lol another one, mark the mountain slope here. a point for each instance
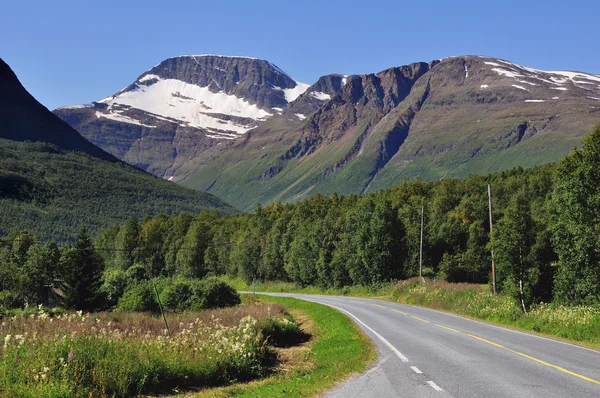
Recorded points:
(353, 134)
(52, 180)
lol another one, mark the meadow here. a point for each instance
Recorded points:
(113, 354)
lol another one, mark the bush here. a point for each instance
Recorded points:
(9, 300)
(214, 293)
(177, 296)
(282, 331)
(115, 283)
(140, 298)
(137, 273)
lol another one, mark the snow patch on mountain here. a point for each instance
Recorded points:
(122, 118)
(292, 93)
(149, 77)
(76, 106)
(321, 96)
(190, 104)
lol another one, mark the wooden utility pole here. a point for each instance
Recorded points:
(421, 249)
(492, 247)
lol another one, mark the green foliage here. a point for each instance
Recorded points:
(51, 192)
(513, 242)
(81, 267)
(114, 285)
(177, 295)
(578, 224)
(214, 293)
(139, 298)
(137, 273)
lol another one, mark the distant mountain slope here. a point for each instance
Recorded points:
(52, 180)
(353, 134)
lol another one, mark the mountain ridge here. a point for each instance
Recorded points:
(358, 133)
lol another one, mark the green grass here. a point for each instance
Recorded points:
(384, 290)
(338, 350)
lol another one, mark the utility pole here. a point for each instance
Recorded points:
(421, 249)
(492, 247)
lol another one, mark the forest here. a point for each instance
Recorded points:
(545, 237)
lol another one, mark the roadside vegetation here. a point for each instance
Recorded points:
(336, 350)
(74, 354)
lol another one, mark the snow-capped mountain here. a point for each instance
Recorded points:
(246, 131)
(224, 96)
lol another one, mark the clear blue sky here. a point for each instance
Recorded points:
(72, 52)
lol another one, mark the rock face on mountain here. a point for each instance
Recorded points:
(352, 134)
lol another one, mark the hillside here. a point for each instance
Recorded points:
(346, 134)
(52, 180)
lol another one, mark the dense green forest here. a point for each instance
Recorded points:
(545, 239)
(51, 192)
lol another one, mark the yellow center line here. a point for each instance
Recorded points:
(421, 319)
(377, 305)
(354, 301)
(521, 354)
(399, 312)
(446, 327)
(487, 341)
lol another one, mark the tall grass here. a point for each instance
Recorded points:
(581, 323)
(126, 354)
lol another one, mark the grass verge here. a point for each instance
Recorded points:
(578, 325)
(338, 349)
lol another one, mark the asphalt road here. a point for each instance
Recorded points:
(426, 353)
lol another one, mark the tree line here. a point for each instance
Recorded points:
(546, 236)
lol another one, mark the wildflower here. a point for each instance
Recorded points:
(70, 356)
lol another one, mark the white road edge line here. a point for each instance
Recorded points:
(434, 386)
(380, 337)
(416, 370)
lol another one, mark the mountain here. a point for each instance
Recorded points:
(345, 134)
(182, 107)
(52, 180)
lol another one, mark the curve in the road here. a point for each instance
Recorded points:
(427, 352)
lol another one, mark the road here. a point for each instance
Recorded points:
(427, 353)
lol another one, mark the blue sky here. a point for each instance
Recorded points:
(71, 52)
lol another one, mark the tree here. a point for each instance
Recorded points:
(37, 271)
(81, 268)
(577, 232)
(126, 242)
(190, 257)
(513, 240)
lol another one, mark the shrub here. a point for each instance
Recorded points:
(177, 296)
(214, 293)
(282, 331)
(140, 297)
(137, 273)
(115, 283)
